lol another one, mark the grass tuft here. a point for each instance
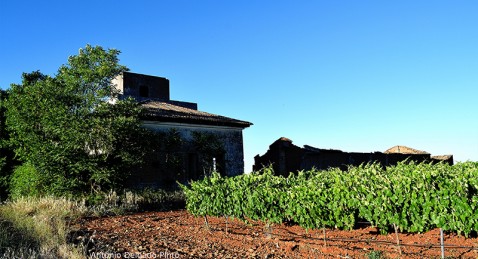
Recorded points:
(375, 255)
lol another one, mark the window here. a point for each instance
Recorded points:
(143, 91)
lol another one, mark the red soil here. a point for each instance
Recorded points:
(177, 234)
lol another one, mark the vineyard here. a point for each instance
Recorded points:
(408, 197)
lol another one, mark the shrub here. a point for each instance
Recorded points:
(125, 201)
(25, 181)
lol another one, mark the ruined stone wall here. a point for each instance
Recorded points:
(448, 159)
(285, 157)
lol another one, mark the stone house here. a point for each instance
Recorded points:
(203, 140)
(286, 157)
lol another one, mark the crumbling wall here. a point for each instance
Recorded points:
(448, 159)
(286, 157)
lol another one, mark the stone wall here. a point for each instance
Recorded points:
(282, 155)
(230, 162)
(142, 87)
(286, 157)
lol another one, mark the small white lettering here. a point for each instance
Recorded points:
(104, 255)
(108, 255)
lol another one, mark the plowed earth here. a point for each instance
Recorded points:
(177, 234)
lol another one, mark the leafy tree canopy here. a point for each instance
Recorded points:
(7, 161)
(65, 127)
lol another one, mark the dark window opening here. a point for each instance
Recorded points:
(193, 167)
(143, 91)
(221, 163)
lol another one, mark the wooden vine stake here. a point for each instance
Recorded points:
(226, 224)
(398, 240)
(442, 244)
(325, 238)
(206, 222)
(268, 230)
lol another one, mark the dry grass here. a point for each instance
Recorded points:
(38, 228)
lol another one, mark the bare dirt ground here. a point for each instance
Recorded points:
(177, 234)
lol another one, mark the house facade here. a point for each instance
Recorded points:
(202, 141)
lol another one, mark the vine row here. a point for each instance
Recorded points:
(409, 197)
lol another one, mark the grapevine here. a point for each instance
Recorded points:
(408, 197)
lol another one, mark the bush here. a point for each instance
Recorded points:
(126, 201)
(3, 179)
(25, 181)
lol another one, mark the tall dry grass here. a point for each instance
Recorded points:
(38, 228)
(32, 227)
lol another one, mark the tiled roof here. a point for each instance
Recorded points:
(285, 139)
(443, 157)
(404, 150)
(168, 112)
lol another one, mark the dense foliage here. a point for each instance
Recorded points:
(66, 129)
(411, 197)
(7, 156)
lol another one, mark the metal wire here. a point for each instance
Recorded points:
(352, 240)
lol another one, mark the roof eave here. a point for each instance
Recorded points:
(238, 124)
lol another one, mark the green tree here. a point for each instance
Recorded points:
(69, 130)
(7, 160)
(3, 135)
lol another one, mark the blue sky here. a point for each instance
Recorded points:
(358, 76)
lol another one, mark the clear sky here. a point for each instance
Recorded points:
(358, 76)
